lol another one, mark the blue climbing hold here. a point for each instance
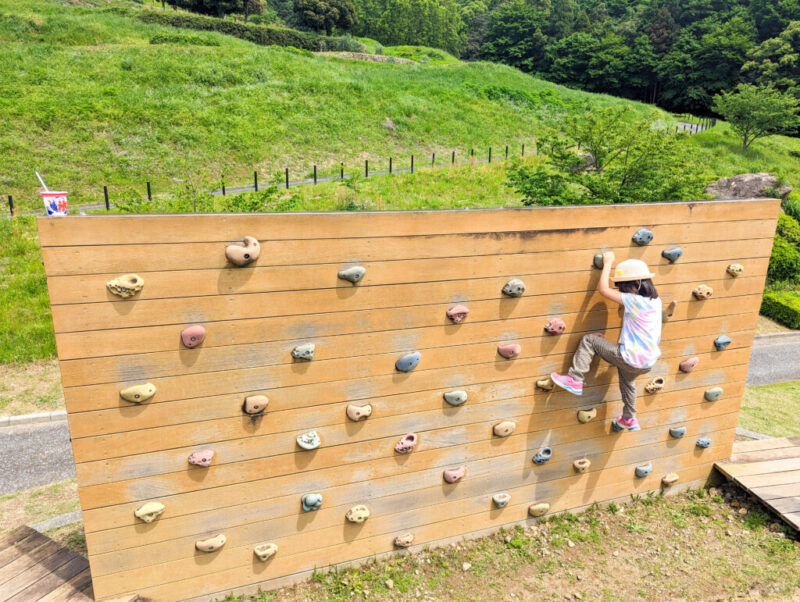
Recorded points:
(408, 362)
(543, 455)
(672, 254)
(721, 342)
(703, 442)
(677, 432)
(311, 501)
(643, 237)
(644, 470)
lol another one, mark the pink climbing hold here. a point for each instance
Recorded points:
(202, 458)
(457, 313)
(509, 351)
(193, 336)
(454, 475)
(689, 365)
(555, 326)
(407, 444)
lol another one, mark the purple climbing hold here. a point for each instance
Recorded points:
(555, 326)
(643, 237)
(458, 313)
(509, 351)
(193, 336)
(408, 362)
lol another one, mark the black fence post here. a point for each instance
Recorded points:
(412, 163)
(105, 196)
(490, 154)
(471, 153)
(255, 181)
(315, 174)
(433, 160)
(390, 165)
(11, 205)
(287, 178)
(223, 184)
(453, 158)
(341, 170)
(523, 150)
(149, 196)
(506, 151)
(366, 168)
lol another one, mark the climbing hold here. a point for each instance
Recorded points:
(555, 326)
(735, 269)
(509, 351)
(309, 440)
(357, 514)
(255, 404)
(677, 432)
(514, 288)
(354, 274)
(546, 384)
(672, 255)
(643, 237)
(598, 261)
(643, 470)
(543, 455)
(689, 365)
(457, 313)
(669, 311)
(721, 342)
(138, 393)
(212, 544)
(149, 512)
(455, 398)
(245, 253)
(265, 551)
(713, 394)
(669, 479)
(304, 351)
(505, 428)
(408, 362)
(407, 444)
(655, 385)
(539, 509)
(357, 413)
(453, 475)
(703, 442)
(703, 292)
(202, 458)
(125, 286)
(501, 499)
(582, 465)
(404, 540)
(311, 501)
(193, 336)
(585, 416)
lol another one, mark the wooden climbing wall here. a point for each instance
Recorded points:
(418, 265)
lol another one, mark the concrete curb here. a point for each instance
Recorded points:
(777, 338)
(58, 521)
(56, 416)
(751, 434)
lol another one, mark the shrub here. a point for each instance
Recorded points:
(182, 39)
(784, 263)
(791, 205)
(342, 44)
(789, 229)
(783, 307)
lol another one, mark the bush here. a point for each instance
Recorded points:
(783, 307)
(342, 44)
(789, 229)
(182, 39)
(791, 205)
(784, 263)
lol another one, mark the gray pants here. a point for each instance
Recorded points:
(592, 345)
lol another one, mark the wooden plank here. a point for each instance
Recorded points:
(53, 579)
(786, 505)
(25, 580)
(113, 230)
(764, 480)
(773, 492)
(15, 535)
(771, 443)
(757, 468)
(21, 547)
(79, 588)
(765, 455)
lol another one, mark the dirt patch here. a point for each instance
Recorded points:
(374, 58)
(767, 326)
(38, 504)
(70, 536)
(30, 387)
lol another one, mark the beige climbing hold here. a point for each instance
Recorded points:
(582, 465)
(703, 292)
(358, 514)
(245, 253)
(670, 479)
(125, 286)
(265, 551)
(735, 269)
(304, 351)
(546, 384)
(655, 385)
(514, 288)
(212, 544)
(585, 416)
(669, 311)
(404, 540)
(539, 509)
(149, 512)
(357, 413)
(255, 404)
(505, 428)
(354, 274)
(138, 393)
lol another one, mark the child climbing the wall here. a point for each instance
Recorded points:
(637, 350)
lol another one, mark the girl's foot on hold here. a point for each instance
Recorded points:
(623, 423)
(565, 381)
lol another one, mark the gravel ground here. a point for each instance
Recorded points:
(34, 454)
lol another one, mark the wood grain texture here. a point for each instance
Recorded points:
(418, 265)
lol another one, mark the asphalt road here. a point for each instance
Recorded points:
(774, 359)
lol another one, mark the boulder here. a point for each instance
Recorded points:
(748, 186)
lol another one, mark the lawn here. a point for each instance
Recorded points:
(772, 409)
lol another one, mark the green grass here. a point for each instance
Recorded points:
(422, 54)
(772, 409)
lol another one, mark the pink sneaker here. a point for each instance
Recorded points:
(565, 381)
(625, 423)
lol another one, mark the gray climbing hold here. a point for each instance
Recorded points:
(501, 499)
(304, 351)
(643, 470)
(244, 254)
(643, 237)
(354, 274)
(255, 405)
(408, 362)
(125, 286)
(677, 432)
(138, 393)
(672, 255)
(265, 551)
(514, 288)
(309, 440)
(149, 512)
(713, 394)
(539, 509)
(703, 442)
(582, 465)
(212, 544)
(455, 398)
(543, 455)
(598, 261)
(735, 269)
(721, 342)
(311, 501)
(358, 514)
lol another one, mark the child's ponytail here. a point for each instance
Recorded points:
(645, 288)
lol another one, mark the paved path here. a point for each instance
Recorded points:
(33, 455)
(775, 359)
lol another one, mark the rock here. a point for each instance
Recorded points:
(455, 398)
(309, 440)
(616, 553)
(212, 544)
(353, 274)
(555, 326)
(728, 532)
(149, 512)
(703, 292)
(669, 479)
(655, 385)
(265, 551)
(125, 286)
(735, 269)
(358, 514)
(407, 444)
(466, 566)
(585, 416)
(389, 584)
(408, 362)
(508, 538)
(457, 313)
(255, 404)
(358, 413)
(509, 351)
(742, 511)
(588, 162)
(192, 337)
(539, 509)
(138, 393)
(202, 458)
(304, 351)
(388, 124)
(244, 254)
(514, 288)
(505, 428)
(689, 365)
(748, 186)
(453, 475)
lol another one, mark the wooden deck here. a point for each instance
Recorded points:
(34, 567)
(770, 470)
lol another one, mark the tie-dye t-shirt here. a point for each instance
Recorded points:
(641, 330)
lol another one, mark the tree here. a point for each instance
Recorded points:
(323, 15)
(757, 111)
(777, 61)
(252, 7)
(515, 36)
